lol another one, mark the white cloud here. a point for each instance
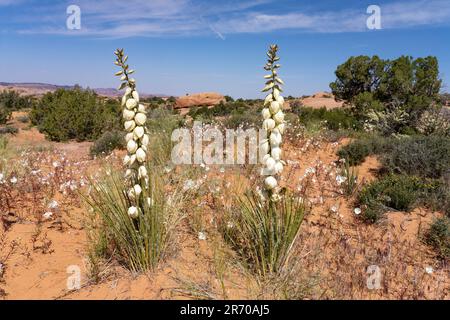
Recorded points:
(394, 15)
(118, 18)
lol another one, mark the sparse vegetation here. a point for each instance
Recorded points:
(108, 141)
(333, 119)
(438, 236)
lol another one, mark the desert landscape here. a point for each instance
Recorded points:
(254, 151)
(47, 227)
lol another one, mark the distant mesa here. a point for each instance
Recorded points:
(199, 99)
(39, 89)
(321, 99)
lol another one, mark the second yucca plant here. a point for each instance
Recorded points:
(264, 223)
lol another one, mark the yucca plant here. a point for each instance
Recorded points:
(349, 175)
(263, 232)
(138, 243)
(263, 224)
(131, 211)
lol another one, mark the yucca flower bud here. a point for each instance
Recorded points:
(280, 128)
(270, 183)
(145, 140)
(126, 160)
(270, 163)
(128, 114)
(275, 139)
(141, 108)
(138, 132)
(142, 171)
(131, 103)
(141, 155)
(268, 99)
(274, 107)
(278, 167)
(133, 212)
(137, 190)
(276, 153)
(135, 95)
(129, 125)
(279, 117)
(266, 113)
(129, 136)
(140, 119)
(128, 173)
(269, 124)
(132, 146)
(132, 160)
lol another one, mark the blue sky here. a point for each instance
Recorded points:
(186, 46)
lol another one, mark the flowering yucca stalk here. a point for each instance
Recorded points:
(134, 115)
(264, 232)
(273, 124)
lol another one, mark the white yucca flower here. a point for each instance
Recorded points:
(273, 123)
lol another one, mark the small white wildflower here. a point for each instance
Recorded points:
(13, 180)
(340, 179)
(188, 185)
(201, 236)
(357, 211)
(47, 215)
(53, 204)
(429, 269)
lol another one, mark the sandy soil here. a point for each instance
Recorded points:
(37, 255)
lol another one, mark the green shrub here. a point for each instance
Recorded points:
(13, 101)
(23, 119)
(400, 192)
(75, 114)
(262, 231)
(438, 236)
(8, 130)
(355, 152)
(247, 119)
(5, 114)
(392, 93)
(333, 119)
(108, 141)
(425, 156)
(161, 122)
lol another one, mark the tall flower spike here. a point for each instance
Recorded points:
(134, 116)
(273, 123)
